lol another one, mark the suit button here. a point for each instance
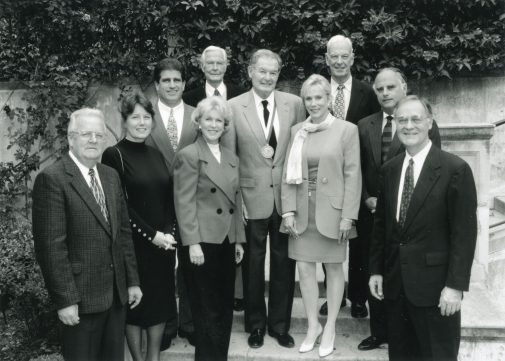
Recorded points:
(324, 180)
(219, 211)
(231, 211)
(273, 166)
(271, 186)
(401, 244)
(213, 190)
(111, 266)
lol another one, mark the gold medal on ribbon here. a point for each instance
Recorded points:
(267, 151)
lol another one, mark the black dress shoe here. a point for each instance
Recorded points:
(190, 336)
(370, 343)
(284, 339)
(238, 304)
(323, 311)
(255, 339)
(359, 310)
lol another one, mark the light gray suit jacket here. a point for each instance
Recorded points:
(260, 178)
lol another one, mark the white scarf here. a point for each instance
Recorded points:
(294, 165)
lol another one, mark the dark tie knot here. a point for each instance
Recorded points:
(389, 118)
(91, 172)
(265, 103)
(340, 87)
(411, 162)
(216, 92)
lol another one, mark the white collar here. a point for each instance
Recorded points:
(420, 157)
(209, 89)
(347, 84)
(258, 99)
(165, 108)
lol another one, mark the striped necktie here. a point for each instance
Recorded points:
(408, 189)
(387, 137)
(98, 194)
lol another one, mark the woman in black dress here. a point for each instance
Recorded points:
(148, 190)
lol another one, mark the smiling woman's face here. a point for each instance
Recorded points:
(212, 126)
(138, 124)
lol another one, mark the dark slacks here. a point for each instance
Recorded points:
(210, 290)
(361, 275)
(282, 276)
(421, 333)
(97, 337)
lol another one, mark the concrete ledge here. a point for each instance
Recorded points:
(466, 131)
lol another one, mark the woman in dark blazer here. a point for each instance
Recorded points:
(148, 191)
(209, 214)
(320, 192)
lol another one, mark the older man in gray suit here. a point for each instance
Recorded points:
(83, 244)
(259, 133)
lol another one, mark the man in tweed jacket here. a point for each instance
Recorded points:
(83, 244)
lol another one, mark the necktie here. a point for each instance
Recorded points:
(266, 114)
(172, 129)
(387, 136)
(217, 93)
(408, 189)
(338, 106)
(98, 194)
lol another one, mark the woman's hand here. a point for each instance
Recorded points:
(196, 254)
(290, 224)
(345, 229)
(239, 253)
(171, 242)
(164, 240)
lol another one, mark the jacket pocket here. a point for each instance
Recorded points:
(436, 258)
(336, 201)
(247, 182)
(76, 268)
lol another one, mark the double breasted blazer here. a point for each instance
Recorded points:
(159, 137)
(338, 181)
(260, 178)
(84, 259)
(362, 103)
(207, 196)
(194, 96)
(435, 247)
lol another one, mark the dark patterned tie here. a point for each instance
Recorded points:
(266, 114)
(338, 106)
(172, 129)
(387, 136)
(217, 93)
(98, 194)
(408, 189)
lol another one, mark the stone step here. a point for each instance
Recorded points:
(345, 350)
(499, 204)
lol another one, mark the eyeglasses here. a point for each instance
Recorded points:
(89, 135)
(414, 119)
(264, 73)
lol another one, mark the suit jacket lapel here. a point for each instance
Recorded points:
(110, 199)
(356, 96)
(428, 177)
(219, 173)
(283, 112)
(188, 129)
(396, 147)
(396, 172)
(376, 138)
(78, 182)
(251, 117)
(160, 138)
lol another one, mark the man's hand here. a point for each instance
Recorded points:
(345, 229)
(375, 284)
(450, 301)
(134, 296)
(69, 315)
(371, 203)
(196, 254)
(239, 253)
(290, 224)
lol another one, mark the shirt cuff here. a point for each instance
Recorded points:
(287, 214)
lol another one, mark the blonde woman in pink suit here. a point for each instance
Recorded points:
(321, 191)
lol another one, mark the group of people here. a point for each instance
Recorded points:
(206, 187)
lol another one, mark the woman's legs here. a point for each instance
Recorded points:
(335, 284)
(154, 336)
(310, 295)
(134, 340)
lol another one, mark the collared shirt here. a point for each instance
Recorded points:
(215, 150)
(85, 170)
(270, 107)
(418, 159)
(178, 115)
(209, 90)
(347, 92)
(393, 123)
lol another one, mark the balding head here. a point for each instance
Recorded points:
(390, 86)
(340, 58)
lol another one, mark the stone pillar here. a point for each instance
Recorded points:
(471, 141)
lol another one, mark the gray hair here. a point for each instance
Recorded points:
(337, 39)
(84, 112)
(414, 98)
(315, 79)
(264, 53)
(398, 72)
(213, 48)
(212, 103)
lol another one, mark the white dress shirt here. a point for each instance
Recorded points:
(216, 151)
(418, 159)
(393, 124)
(178, 115)
(209, 90)
(272, 118)
(84, 170)
(347, 92)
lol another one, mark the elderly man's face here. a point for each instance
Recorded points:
(340, 58)
(264, 75)
(412, 125)
(214, 67)
(87, 139)
(389, 90)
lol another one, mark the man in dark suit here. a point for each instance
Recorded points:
(213, 63)
(172, 131)
(259, 134)
(423, 243)
(83, 244)
(379, 142)
(351, 100)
